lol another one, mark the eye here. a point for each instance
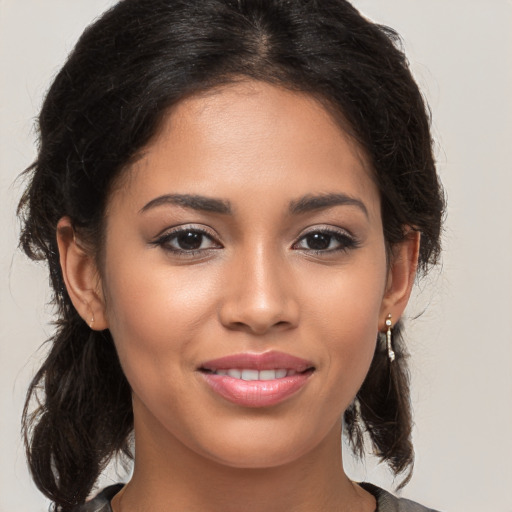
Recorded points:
(325, 240)
(187, 241)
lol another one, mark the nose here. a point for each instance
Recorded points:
(259, 294)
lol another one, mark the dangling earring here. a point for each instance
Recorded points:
(91, 322)
(389, 343)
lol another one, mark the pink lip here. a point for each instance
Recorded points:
(257, 393)
(263, 361)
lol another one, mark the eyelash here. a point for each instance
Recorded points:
(165, 240)
(346, 242)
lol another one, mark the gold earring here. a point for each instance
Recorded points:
(389, 342)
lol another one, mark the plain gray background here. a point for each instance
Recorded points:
(461, 54)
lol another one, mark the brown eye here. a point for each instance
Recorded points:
(318, 241)
(189, 240)
(326, 241)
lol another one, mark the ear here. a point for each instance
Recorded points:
(81, 276)
(401, 275)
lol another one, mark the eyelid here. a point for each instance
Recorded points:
(170, 232)
(352, 241)
(326, 228)
(200, 228)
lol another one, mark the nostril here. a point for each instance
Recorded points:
(252, 313)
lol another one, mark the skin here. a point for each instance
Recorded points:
(254, 284)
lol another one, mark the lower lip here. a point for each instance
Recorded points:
(256, 393)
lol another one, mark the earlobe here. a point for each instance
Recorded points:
(401, 276)
(81, 276)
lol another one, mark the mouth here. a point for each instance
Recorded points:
(248, 374)
(257, 380)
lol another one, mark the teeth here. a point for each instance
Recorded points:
(250, 374)
(269, 374)
(247, 374)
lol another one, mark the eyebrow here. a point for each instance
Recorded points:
(195, 202)
(318, 202)
(305, 204)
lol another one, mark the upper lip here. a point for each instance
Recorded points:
(258, 361)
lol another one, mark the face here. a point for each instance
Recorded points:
(244, 276)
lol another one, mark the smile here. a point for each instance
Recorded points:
(248, 374)
(256, 380)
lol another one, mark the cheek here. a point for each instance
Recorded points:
(344, 312)
(153, 316)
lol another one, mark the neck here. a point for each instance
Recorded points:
(171, 477)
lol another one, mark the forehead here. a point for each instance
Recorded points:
(250, 136)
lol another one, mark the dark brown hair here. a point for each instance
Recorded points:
(128, 68)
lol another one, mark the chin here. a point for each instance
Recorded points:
(263, 446)
(257, 457)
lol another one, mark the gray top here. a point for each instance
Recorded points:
(386, 502)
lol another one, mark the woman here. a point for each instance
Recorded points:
(233, 198)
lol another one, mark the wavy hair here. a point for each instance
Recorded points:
(108, 101)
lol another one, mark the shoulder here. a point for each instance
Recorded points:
(101, 502)
(386, 502)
